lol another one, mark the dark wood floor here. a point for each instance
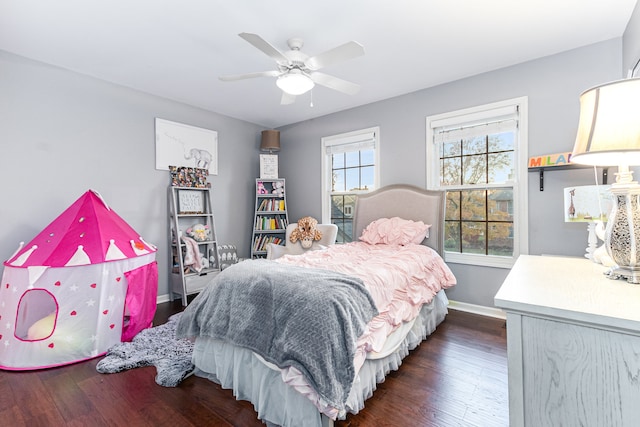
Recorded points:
(458, 377)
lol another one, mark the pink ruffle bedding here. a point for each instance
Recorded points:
(400, 279)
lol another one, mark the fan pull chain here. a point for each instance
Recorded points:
(311, 98)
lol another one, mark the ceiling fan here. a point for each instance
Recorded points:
(297, 72)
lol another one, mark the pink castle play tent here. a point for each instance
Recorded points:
(86, 282)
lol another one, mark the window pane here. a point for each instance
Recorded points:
(338, 180)
(451, 171)
(352, 159)
(350, 205)
(452, 236)
(337, 203)
(501, 167)
(367, 177)
(475, 145)
(353, 179)
(500, 203)
(501, 142)
(473, 205)
(337, 161)
(340, 224)
(367, 157)
(452, 210)
(342, 209)
(473, 237)
(451, 148)
(475, 169)
(500, 239)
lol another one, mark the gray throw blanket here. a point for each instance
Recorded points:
(289, 315)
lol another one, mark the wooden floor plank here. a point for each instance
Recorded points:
(458, 377)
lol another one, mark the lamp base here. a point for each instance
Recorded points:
(631, 276)
(622, 236)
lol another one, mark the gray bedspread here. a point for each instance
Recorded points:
(291, 316)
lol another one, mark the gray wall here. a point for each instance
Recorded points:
(553, 85)
(62, 133)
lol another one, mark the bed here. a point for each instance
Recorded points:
(339, 358)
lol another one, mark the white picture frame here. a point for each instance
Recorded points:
(190, 202)
(268, 166)
(178, 144)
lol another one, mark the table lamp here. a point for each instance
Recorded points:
(270, 142)
(609, 135)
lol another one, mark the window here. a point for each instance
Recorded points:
(478, 156)
(349, 167)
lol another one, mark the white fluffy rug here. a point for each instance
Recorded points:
(157, 347)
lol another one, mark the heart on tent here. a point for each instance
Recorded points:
(73, 313)
(93, 285)
(105, 312)
(118, 279)
(51, 345)
(57, 283)
(112, 326)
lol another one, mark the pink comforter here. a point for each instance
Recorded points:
(400, 279)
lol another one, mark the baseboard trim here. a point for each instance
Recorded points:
(477, 309)
(163, 298)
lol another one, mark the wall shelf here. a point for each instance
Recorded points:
(541, 169)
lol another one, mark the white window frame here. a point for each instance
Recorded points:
(519, 184)
(353, 138)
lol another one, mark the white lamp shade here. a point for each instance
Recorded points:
(295, 83)
(609, 126)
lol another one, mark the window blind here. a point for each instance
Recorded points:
(359, 142)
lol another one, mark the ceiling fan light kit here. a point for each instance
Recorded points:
(295, 83)
(296, 71)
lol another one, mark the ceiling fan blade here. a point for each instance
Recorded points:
(335, 83)
(265, 47)
(273, 73)
(343, 52)
(287, 98)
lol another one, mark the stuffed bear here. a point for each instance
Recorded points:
(199, 232)
(261, 189)
(278, 188)
(306, 232)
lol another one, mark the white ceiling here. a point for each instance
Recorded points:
(178, 48)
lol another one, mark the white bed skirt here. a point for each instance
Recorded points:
(278, 404)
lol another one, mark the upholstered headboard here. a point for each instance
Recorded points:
(407, 202)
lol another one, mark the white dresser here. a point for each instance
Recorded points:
(573, 342)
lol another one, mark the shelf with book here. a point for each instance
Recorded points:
(270, 216)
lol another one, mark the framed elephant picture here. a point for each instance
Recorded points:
(179, 144)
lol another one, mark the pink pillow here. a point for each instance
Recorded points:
(395, 231)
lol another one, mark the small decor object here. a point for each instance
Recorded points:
(190, 202)
(269, 162)
(550, 160)
(587, 203)
(278, 188)
(306, 232)
(183, 145)
(188, 177)
(590, 204)
(199, 232)
(260, 189)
